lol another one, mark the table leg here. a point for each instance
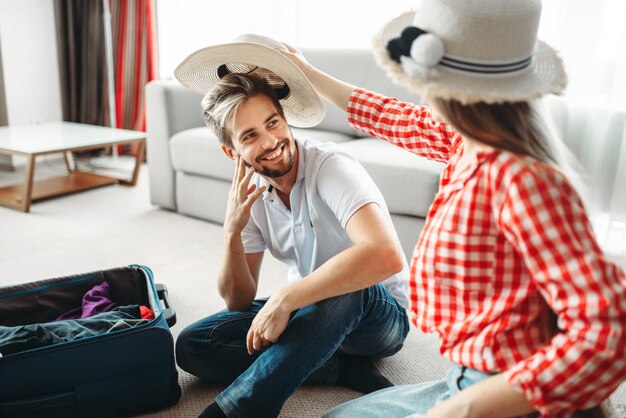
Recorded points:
(27, 193)
(68, 156)
(138, 159)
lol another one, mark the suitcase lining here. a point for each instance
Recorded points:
(46, 300)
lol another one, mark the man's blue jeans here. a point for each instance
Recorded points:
(368, 322)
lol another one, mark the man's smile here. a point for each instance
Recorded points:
(275, 154)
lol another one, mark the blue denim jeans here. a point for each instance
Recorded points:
(410, 401)
(368, 322)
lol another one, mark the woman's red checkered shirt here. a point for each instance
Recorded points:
(504, 242)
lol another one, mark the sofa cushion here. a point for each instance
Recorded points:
(197, 151)
(408, 182)
(202, 197)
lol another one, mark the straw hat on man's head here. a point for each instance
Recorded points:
(471, 51)
(255, 55)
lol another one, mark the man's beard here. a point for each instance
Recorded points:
(275, 173)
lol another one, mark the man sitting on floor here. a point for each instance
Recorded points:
(316, 209)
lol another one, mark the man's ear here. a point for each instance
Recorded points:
(230, 153)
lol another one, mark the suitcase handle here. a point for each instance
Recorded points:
(168, 312)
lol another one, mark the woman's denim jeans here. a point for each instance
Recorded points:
(411, 401)
(368, 322)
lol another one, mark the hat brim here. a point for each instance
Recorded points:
(199, 72)
(545, 75)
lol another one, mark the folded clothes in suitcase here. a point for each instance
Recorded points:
(125, 369)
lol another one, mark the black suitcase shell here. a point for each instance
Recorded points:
(121, 372)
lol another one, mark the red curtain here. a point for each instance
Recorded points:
(133, 26)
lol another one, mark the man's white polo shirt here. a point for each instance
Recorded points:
(330, 187)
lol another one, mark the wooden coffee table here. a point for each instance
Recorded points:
(61, 137)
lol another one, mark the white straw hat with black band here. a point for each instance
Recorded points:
(471, 51)
(256, 55)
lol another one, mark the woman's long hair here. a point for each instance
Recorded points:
(521, 128)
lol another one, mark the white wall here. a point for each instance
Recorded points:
(186, 26)
(30, 61)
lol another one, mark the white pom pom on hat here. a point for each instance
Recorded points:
(427, 49)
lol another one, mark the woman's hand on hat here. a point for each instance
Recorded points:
(335, 91)
(295, 56)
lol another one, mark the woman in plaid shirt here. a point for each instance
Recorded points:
(507, 270)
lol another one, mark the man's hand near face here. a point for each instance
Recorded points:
(240, 199)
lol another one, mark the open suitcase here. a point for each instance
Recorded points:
(118, 372)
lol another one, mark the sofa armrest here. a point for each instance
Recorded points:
(170, 109)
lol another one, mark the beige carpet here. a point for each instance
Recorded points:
(116, 226)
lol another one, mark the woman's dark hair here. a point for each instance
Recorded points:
(510, 126)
